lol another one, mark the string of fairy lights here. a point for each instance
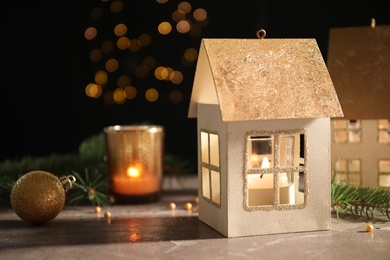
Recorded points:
(129, 64)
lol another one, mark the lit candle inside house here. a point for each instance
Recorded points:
(261, 186)
(265, 163)
(261, 181)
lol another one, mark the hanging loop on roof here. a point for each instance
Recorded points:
(261, 33)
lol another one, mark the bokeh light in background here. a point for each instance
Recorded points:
(127, 62)
(70, 92)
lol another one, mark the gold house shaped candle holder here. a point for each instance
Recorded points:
(359, 64)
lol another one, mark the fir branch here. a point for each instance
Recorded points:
(93, 149)
(359, 201)
(92, 188)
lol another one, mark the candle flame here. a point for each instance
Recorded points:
(265, 163)
(133, 172)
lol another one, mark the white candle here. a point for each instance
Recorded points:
(255, 181)
(261, 187)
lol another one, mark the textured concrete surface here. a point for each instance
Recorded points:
(153, 231)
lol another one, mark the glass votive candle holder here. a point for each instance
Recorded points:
(135, 162)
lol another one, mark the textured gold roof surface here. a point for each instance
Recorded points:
(264, 79)
(359, 64)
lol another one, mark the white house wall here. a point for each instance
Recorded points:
(231, 219)
(315, 215)
(216, 217)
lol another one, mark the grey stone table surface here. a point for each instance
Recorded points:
(154, 231)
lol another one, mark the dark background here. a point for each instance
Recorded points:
(45, 64)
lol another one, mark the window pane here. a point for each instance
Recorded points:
(260, 189)
(289, 191)
(354, 166)
(340, 176)
(384, 166)
(354, 172)
(214, 150)
(259, 148)
(354, 124)
(215, 187)
(339, 123)
(354, 178)
(354, 136)
(383, 124)
(286, 149)
(384, 180)
(204, 142)
(354, 133)
(340, 136)
(341, 165)
(301, 150)
(205, 182)
(384, 137)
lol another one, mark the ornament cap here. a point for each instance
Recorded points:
(67, 181)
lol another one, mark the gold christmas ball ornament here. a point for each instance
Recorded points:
(39, 196)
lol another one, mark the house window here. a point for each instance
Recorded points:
(384, 173)
(210, 165)
(275, 169)
(348, 170)
(383, 131)
(347, 131)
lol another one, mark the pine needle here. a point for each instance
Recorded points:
(92, 187)
(359, 201)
